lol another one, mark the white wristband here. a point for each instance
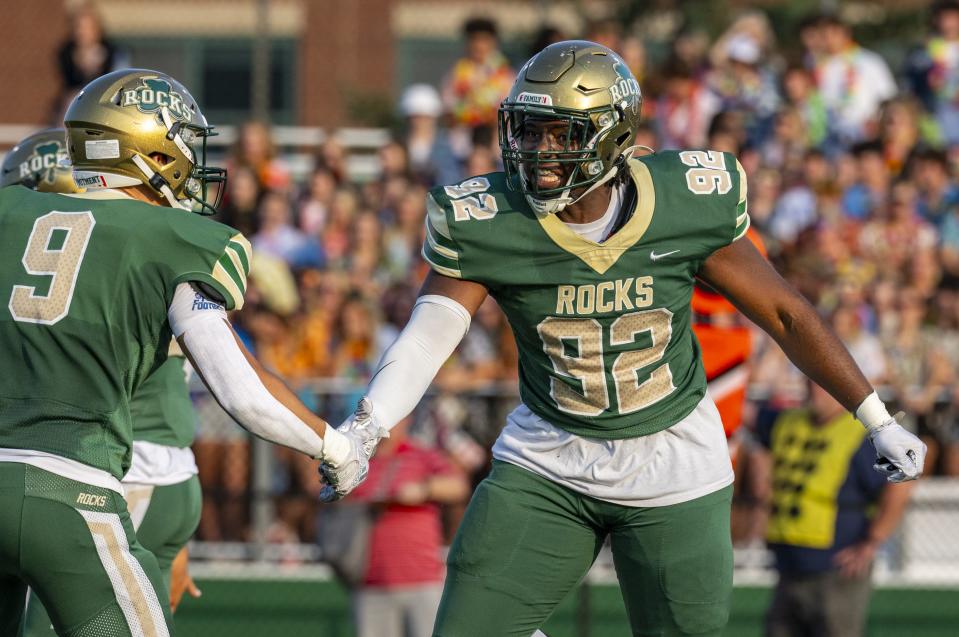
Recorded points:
(336, 447)
(872, 413)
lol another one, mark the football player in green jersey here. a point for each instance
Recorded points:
(592, 255)
(95, 285)
(162, 488)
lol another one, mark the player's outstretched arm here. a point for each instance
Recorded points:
(257, 400)
(440, 320)
(438, 323)
(744, 276)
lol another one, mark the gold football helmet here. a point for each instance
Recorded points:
(590, 89)
(40, 162)
(136, 126)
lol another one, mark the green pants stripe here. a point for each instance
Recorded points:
(74, 545)
(164, 518)
(525, 542)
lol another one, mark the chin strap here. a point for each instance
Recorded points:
(557, 204)
(157, 182)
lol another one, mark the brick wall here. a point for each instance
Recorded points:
(347, 50)
(30, 34)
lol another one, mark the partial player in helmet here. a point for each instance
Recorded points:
(94, 286)
(136, 127)
(162, 487)
(40, 162)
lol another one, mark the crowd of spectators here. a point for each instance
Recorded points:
(852, 186)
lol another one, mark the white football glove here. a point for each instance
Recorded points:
(345, 474)
(901, 454)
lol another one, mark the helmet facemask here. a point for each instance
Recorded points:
(590, 90)
(580, 156)
(202, 180)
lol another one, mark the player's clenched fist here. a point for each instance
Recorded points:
(900, 453)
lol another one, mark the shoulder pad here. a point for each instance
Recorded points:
(220, 259)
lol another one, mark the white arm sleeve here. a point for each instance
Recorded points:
(408, 366)
(233, 382)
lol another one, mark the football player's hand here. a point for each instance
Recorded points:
(343, 475)
(361, 423)
(901, 454)
(180, 580)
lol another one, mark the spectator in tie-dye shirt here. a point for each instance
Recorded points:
(478, 82)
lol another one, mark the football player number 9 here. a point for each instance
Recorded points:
(55, 248)
(575, 347)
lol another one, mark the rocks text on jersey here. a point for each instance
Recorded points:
(605, 297)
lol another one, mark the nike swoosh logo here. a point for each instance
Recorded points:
(657, 257)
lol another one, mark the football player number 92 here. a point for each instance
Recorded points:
(55, 248)
(708, 173)
(584, 362)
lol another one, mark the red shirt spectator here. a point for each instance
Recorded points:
(407, 535)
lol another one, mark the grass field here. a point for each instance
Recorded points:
(292, 608)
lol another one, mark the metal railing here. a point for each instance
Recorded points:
(298, 145)
(923, 552)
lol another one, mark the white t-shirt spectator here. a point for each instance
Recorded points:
(853, 85)
(866, 350)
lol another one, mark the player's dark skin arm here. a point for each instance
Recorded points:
(741, 274)
(469, 294)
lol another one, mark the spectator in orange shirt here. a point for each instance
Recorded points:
(255, 149)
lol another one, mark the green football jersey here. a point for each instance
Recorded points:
(603, 329)
(161, 408)
(87, 281)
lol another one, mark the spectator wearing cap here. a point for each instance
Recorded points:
(854, 83)
(747, 86)
(477, 83)
(753, 24)
(830, 512)
(431, 157)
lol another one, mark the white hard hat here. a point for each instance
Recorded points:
(421, 99)
(742, 48)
